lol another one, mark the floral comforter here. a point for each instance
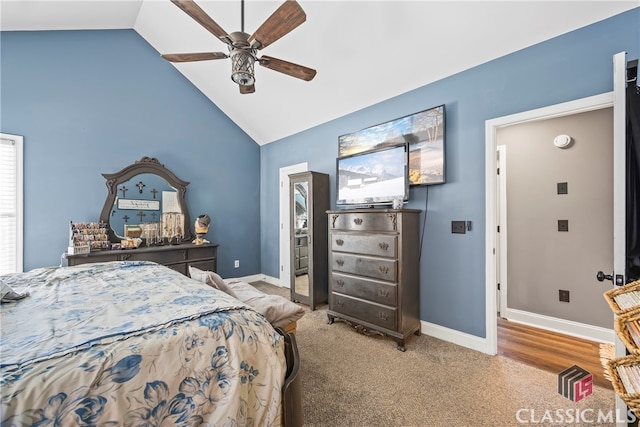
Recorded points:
(134, 344)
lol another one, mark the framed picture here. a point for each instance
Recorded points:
(424, 131)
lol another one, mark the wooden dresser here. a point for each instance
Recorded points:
(374, 270)
(177, 257)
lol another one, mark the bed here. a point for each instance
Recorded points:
(134, 343)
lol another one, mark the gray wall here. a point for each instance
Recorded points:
(541, 260)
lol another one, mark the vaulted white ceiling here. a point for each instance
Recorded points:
(364, 51)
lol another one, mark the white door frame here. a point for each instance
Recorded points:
(491, 126)
(501, 238)
(619, 192)
(285, 242)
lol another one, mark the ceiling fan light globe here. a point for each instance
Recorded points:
(243, 79)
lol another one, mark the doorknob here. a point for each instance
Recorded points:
(619, 278)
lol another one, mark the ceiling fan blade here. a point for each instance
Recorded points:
(289, 68)
(189, 57)
(287, 17)
(201, 17)
(247, 89)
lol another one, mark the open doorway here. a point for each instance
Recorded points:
(594, 103)
(550, 312)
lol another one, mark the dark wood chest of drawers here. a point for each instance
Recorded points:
(177, 257)
(374, 270)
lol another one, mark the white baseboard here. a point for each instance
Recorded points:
(567, 327)
(263, 277)
(456, 337)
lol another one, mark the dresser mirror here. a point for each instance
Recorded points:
(309, 201)
(146, 200)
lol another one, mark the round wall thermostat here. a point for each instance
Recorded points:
(562, 141)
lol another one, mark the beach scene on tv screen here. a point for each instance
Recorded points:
(373, 177)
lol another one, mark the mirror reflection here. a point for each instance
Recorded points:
(301, 239)
(146, 206)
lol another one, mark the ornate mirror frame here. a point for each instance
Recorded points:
(149, 165)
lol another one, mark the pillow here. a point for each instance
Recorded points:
(197, 274)
(278, 310)
(212, 279)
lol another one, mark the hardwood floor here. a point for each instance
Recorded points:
(550, 351)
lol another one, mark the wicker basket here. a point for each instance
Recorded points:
(611, 294)
(622, 329)
(631, 399)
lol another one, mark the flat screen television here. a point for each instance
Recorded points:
(375, 177)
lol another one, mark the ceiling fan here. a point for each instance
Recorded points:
(243, 48)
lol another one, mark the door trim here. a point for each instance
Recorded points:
(501, 237)
(591, 103)
(619, 191)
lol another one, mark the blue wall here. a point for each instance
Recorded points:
(452, 267)
(93, 102)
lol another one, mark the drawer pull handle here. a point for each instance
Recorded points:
(339, 242)
(340, 282)
(384, 246)
(340, 303)
(383, 292)
(383, 316)
(383, 269)
(125, 257)
(340, 262)
(184, 254)
(357, 221)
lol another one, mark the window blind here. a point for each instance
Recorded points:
(11, 230)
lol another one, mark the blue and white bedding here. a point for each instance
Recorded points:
(134, 344)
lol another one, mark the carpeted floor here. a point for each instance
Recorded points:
(349, 379)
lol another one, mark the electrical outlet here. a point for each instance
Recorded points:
(563, 295)
(563, 188)
(458, 227)
(563, 225)
(236, 263)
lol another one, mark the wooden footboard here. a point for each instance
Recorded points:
(291, 391)
(291, 327)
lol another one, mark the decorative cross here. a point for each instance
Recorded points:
(141, 214)
(154, 192)
(126, 218)
(140, 186)
(153, 215)
(113, 212)
(124, 190)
